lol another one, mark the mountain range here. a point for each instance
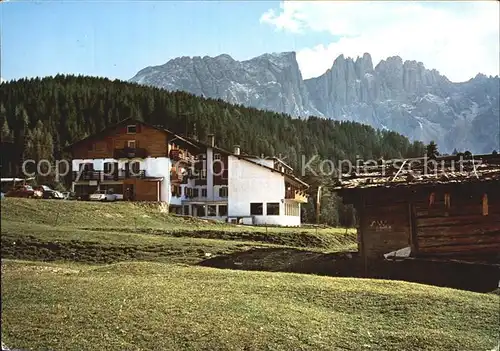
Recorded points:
(396, 95)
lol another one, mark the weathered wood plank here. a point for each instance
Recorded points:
(465, 240)
(441, 211)
(454, 220)
(465, 229)
(466, 249)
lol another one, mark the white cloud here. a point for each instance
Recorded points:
(458, 39)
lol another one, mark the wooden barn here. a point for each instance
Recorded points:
(446, 208)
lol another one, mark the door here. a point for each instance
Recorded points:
(129, 193)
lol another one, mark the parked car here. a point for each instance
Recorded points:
(83, 197)
(102, 195)
(22, 191)
(48, 193)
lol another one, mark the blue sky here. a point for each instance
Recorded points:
(116, 39)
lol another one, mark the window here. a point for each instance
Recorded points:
(135, 167)
(199, 210)
(216, 156)
(222, 210)
(131, 144)
(256, 208)
(203, 174)
(195, 192)
(185, 210)
(273, 209)
(223, 191)
(203, 192)
(211, 210)
(101, 146)
(131, 129)
(291, 209)
(87, 166)
(176, 190)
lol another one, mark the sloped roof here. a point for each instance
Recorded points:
(423, 171)
(248, 158)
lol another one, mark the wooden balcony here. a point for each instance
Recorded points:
(296, 195)
(128, 152)
(176, 177)
(103, 176)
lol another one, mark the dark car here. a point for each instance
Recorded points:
(21, 191)
(83, 197)
(49, 193)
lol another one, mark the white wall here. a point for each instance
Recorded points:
(160, 167)
(210, 174)
(290, 221)
(251, 183)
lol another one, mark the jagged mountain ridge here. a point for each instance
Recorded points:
(401, 96)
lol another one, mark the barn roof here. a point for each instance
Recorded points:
(421, 171)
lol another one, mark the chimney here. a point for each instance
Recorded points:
(211, 140)
(236, 149)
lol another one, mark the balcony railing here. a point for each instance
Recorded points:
(297, 195)
(129, 152)
(102, 176)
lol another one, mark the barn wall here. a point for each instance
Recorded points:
(461, 227)
(383, 228)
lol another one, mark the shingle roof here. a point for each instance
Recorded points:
(423, 171)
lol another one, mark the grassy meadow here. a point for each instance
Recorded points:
(123, 276)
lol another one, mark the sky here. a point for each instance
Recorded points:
(116, 39)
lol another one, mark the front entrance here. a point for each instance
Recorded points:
(129, 193)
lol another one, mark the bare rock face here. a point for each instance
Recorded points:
(396, 95)
(270, 81)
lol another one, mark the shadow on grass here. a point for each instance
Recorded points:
(465, 276)
(479, 278)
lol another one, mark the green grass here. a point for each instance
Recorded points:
(154, 306)
(123, 276)
(111, 232)
(129, 215)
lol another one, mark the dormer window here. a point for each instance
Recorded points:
(216, 156)
(131, 129)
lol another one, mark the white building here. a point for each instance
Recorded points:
(149, 163)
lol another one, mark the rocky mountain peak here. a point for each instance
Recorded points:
(396, 95)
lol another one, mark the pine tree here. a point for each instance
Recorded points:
(432, 150)
(6, 135)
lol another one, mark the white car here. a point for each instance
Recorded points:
(102, 196)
